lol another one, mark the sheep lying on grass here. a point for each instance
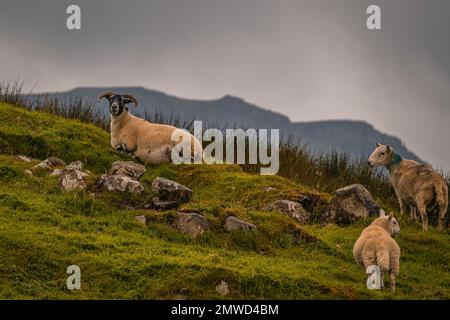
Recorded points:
(375, 246)
(415, 184)
(149, 142)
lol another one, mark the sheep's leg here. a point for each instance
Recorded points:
(383, 260)
(402, 206)
(392, 281)
(121, 147)
(423, 213)
(413, 211)
(124, 149)
(441, 219)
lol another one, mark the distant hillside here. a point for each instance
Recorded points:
(354, 137)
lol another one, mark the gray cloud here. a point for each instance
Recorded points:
(307, 59)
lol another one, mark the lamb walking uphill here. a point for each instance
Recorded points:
(375, 246)
(416, 185)
(148, 142)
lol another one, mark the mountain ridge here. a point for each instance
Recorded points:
(355, 137)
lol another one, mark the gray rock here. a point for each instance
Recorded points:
(28, 172)
(164, 205)
(169, 190)
(141, 219)
(223, 288)
(72, 180)
(127, 168)
(233, 223)
(117, 183)
(291, 209)
(76, 165)
(57, 172)
(193, 224)
(351, 203)
(50, 163)
(24, 158)
(309, 201)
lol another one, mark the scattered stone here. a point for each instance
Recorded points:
(141, 219)
(24, 158)
(127, 168)
(222, 288)
(191, 223)
(72, 180)
(309, 201)
(164, 205)
(291, 209)
(269, 189)
(351, 203)
(57, 172)
(169, 190)
(50, 163)
(76, 165)
(119, 184)
(28, 172)
(233, 223)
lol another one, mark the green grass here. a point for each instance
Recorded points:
(44, 230)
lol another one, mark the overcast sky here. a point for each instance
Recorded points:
(310, 60)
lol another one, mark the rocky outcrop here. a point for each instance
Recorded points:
(163, 205)
(50, 163)
(233, 223)
(141, 219)
(309, 201)
(223, 288)
(76, 165)
(57, 172)
(72, 180)
(127, 168)
(118, 183)
(291, 209)
(24, 158)
(351, 203)
(193, 224)
(168, 190)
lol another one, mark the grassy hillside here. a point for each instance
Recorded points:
(43, 230)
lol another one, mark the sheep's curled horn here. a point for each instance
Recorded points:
(130, 98)
(127, 98)
(105, 95)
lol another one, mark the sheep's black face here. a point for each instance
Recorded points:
(116, 105)
(118, 102)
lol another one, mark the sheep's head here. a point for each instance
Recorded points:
(118, 102)
(389, 223)
(381, 156)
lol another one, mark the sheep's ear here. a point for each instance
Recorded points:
(382, 213)
(388, 148)
(391, 215)
(377, 144)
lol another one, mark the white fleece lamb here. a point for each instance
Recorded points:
(375, 246)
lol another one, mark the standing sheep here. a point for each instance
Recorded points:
(149, 142)
(375, 246)
(415, 184)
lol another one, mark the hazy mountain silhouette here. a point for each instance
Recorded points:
(354, 137)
